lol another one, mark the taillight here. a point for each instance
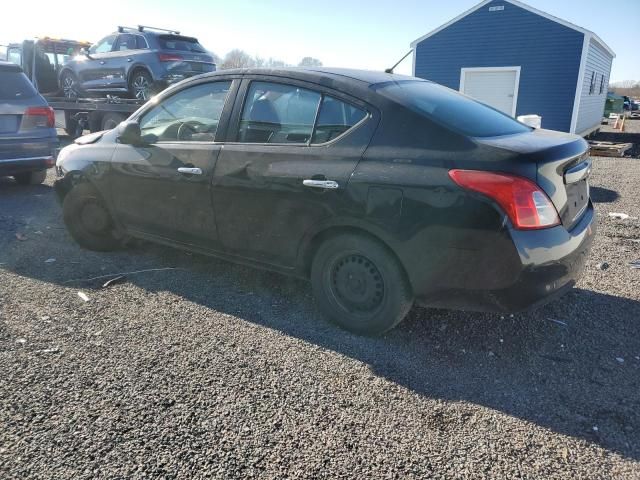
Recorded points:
(170, 57)
(38, 117)
(527, 206)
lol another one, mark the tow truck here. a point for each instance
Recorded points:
(42, 59)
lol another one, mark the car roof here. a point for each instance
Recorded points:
(340, 75)
(9, 67)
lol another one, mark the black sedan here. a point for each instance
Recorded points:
(382, 189)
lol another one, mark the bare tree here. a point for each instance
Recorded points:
(237, 59)
(275, 63)
(310, 62)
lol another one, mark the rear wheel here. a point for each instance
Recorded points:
(359, 284)
(88, 219)
(140, 85)
(31, 178)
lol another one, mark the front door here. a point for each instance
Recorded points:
(287, 169)
(496, 86)
(94, 71)
(162, 189)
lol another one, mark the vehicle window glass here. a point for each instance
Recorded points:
(451, 109)
(276, 113)
(141, 42)
(126, 41)
(189, 115)
(14, 56)
(104, 45)
(177, 42)
(335, 118)
(15, 86)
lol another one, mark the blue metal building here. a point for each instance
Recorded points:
(522, 61)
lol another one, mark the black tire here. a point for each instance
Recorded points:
(111, 120)
(140, 85)
(31, 178)
(69, 85)
(359, 285)
(88, 219)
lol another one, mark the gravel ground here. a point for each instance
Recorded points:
(222, 371)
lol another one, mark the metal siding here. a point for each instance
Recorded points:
(549, 54)
(591, 106)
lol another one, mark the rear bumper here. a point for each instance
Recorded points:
(21, 155)
(546, 264)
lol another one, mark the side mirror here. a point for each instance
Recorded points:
(85, 52)
(129, 133)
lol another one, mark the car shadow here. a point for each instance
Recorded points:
(603, 195)
(571, 366)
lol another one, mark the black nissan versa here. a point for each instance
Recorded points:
(382, 189)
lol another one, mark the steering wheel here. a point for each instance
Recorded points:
(188, 128)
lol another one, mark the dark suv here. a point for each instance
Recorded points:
(136, 61)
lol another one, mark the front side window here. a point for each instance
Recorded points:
(191, 115)
(104, 45)
(277, 113)
(451, 109)
(126, 41)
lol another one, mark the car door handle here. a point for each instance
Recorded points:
(129, 59)
(330, 184)
(102, 62)
(577, 173)
(190, 170)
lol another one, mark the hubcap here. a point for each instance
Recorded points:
(141, 87)
(357, 284)
(94, 217)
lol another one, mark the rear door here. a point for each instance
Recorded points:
(163, 188)
(286, 166)
(124, 56)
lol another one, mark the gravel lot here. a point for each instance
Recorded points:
(222, 371)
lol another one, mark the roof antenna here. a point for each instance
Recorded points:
(390, 70)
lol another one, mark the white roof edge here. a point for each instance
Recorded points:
(525, 7)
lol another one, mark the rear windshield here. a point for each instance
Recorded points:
(15, 86)
(184, 44)
(452, 109)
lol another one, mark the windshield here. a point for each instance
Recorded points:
(451, 109)
(183, 44)
(15, 86)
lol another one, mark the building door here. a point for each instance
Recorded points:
(495, 86)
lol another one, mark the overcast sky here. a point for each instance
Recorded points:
(341, 33)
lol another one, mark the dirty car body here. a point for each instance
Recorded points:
(479, 212)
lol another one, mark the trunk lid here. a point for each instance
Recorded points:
(562, 170)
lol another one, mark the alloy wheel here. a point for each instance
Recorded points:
(141, 87)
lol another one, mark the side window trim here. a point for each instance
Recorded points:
(242, 97)
(223, 122)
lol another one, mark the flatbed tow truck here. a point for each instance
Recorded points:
(42, 59)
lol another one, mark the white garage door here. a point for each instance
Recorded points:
(497, 87)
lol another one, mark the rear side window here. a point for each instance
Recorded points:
(126, 41)
(451, 109)
(177, 42)
(15, 86)
(141, 42)
(276, 113)
(335, 118)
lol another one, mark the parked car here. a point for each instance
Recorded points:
(28, 141)
(135, 61)
(380, 188)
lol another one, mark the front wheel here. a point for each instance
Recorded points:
(359, 284)
(140, 85)
(69, 85)
(88, 219)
